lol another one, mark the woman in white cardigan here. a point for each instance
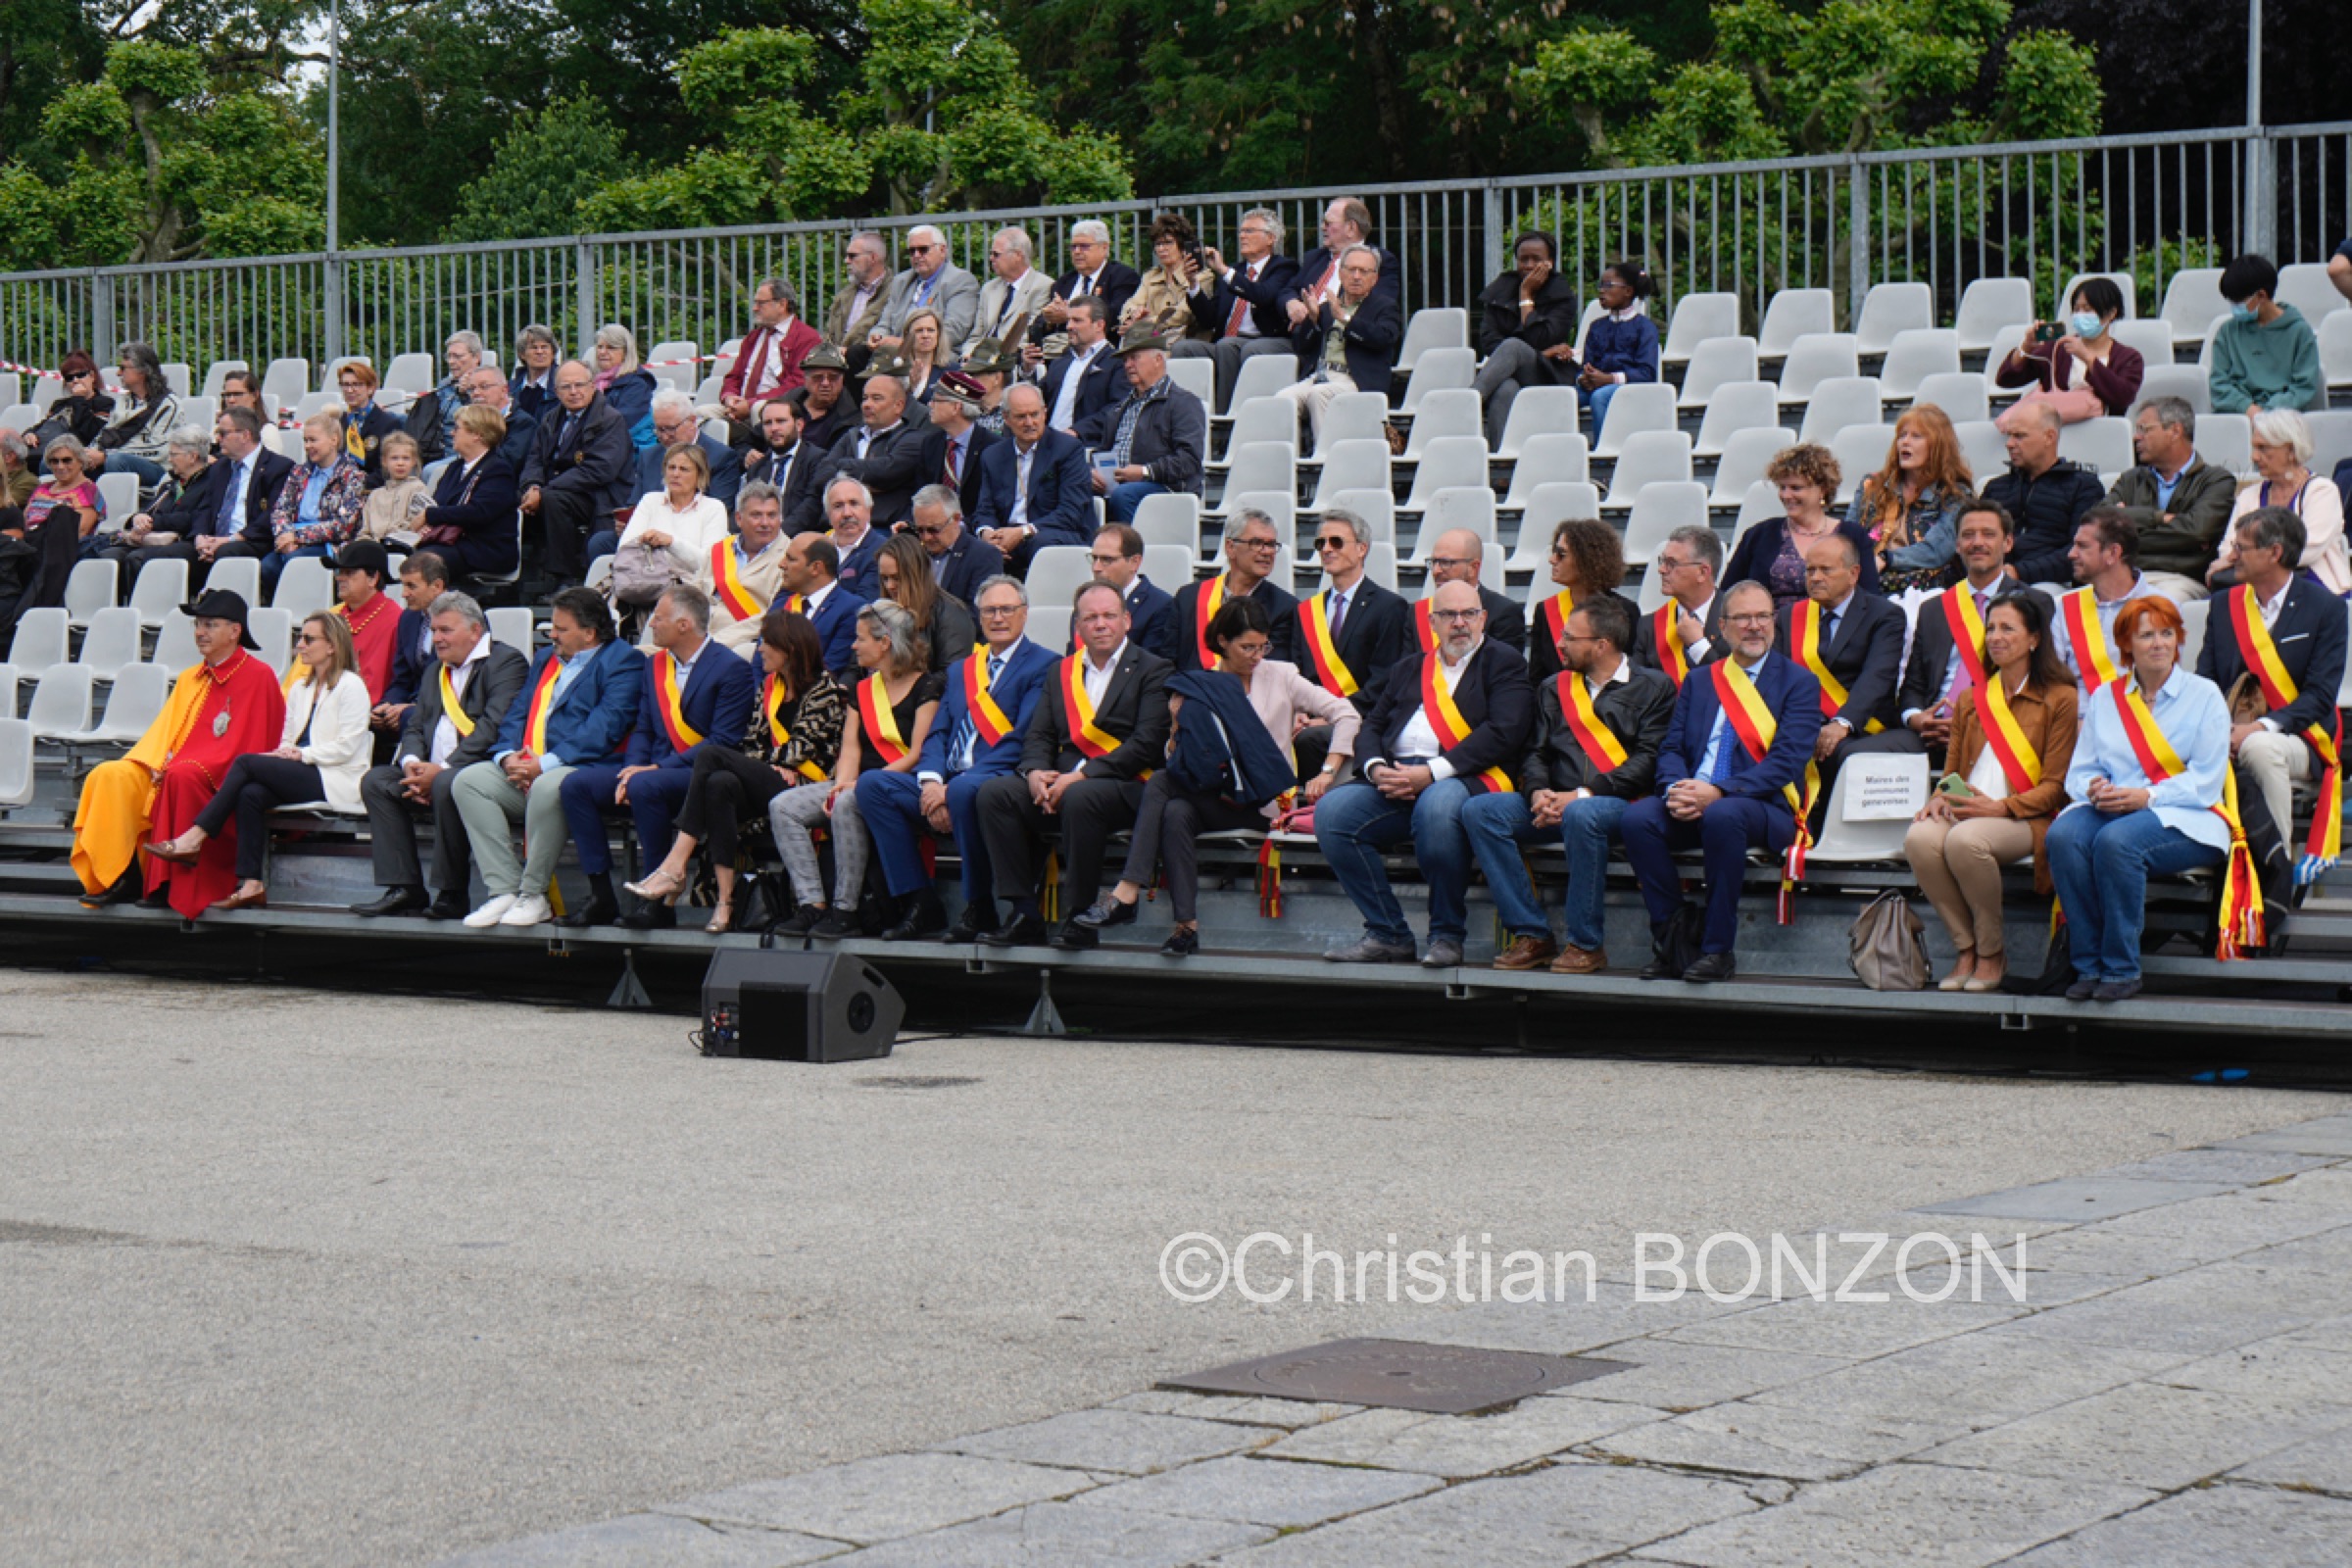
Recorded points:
(683, 521)
(326, 749)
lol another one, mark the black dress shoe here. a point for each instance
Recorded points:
(836, 924)
(971, 925)
(160, 899)
(1105, 912)
(923, 918)
(122, 890)
(396, 900)
(596, 912)
(1710, 966)
(649, 916)
(446, 906)
(2082, 989)
(1021, 931)
(1072, 936)
(1182, 943)
(1660, 967)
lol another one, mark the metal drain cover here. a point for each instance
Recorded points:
(1401, 1374)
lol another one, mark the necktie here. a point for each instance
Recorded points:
(1829, 630)
(1727, 742)
(1240, 314)
(564, 435)
(953, 446)
(1085, 286)
(225, 522)
(1338, 609)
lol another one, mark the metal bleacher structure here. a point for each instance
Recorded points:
(1747, 370)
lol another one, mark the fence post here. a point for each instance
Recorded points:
(102, 317)
(1497, 258)
(2262, 193)
(1858, 261)
(583, 266)
(336, 307)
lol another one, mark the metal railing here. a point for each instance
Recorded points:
(2147, 206)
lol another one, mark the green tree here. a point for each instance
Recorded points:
(540, 172)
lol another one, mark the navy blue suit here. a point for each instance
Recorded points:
(1062, 496)
(836, 623)
(856, 569)
(411, 656)
(1149, 607)
(1752, 812)
(726, 471)
(1104, 384)
(892, 803)
(716, 704)
(965, 565)
(592, 718)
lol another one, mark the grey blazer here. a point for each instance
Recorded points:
(955, 295)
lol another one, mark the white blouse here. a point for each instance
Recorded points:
(692, 532)
(340, 746)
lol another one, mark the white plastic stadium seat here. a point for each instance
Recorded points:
(1814, 359)
(15, 763)
(515, 627)
(1548, 506)
(2305, 285)
(274, 629)
(306, 584)
(2151, 338)
(1438, 370)
(1645, 406)
(1795, 313)
(1439, 328)
(138, 695)
(1838, 401)
(1261, 465)
(1197, 377)
(1547, 459)
(1960, 394)
(1889, 309)
(2226, 440)
(1697, 317)
(1351, 417)
(1449, 410)
(1659, 510)
(1449, 461)
(1650, 458)
(111, 642)
(1259, 420)
(1736, 405)
(1352, 465)
(89, 588)
(1538, 410)
(1916, 354)
(1717, 362)
(1171, 518)
(1262, 376)
(175, 643)
(1981, 445)
(1378, 509)
(1743, 460)
(289, 378)
(40, 639)
(1860, 451)
(1989, 304)
(61, 703)
(216, 374)
(673, 363)
(1470, 507)
(2336, 348)
(2192, 298)
(2102, 445)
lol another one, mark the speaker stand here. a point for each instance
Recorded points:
(1045, 1019)
(629, 992)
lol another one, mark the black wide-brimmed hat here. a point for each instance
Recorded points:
(221, 604)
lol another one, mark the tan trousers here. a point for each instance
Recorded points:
(2274, 762)
(1959, 867)
(1316, 398)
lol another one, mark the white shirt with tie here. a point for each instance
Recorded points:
(1243, 322)
(1024, 458)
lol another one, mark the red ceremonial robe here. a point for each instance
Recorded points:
(375, 638)
(244, 710)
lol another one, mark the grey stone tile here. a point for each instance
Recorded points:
(1557, 1516)
(653, 1540)
(1458, 1446)
(876, 1499)
(2078, 1198)
(1970, 1381)
(1919, 1515)
(1566, 1328)
(1255, 1412)
(2250, 1218)
(2322, 1464)
(1261, 1491)
(2324, 1135)
(1852, 1330)
(2211, 1527)
(1671, 1375)
(2329, 1190)
(1769, 1441)
(2234, 1167)
(2280, 1372)
(1057, 1534)
(2100, 1250)
(2142, 1435)
(2195, 1314)
(1124, 1441)
(2329, 1333)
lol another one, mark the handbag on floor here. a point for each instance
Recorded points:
(1888, 946)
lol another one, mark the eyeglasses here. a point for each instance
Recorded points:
(1334, 542)
(1451, 561)
(1107, 560)
(922, 250)
(1760, 618)
(1256, 544)
(1666, 563)
(1455, 616)
(1559, 551)
(310, 637)
(1000, 612)
(668, 431)
(929, 530)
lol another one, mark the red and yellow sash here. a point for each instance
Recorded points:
(2255, 646)
(1444, 716)
(1554, 613)
(1745, 708)
(1665, 630)
(543, 703)
(797, 604)
(771, 702)
(988, 717)
(2094, 660)
(1314, 622)
(876, 721)
(1968, 630)
(2020, 762)
(1085, 733)
(726, 583)
(1804, 642)
(669, 701)
(1423, 628)
(2242, 917)
(451, 709)
(1205, 609)
(1600, 743)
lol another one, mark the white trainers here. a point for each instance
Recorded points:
(489, 914)
(528, 910)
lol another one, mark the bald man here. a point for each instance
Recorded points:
(1456, 557)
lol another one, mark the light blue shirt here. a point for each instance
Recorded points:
(2165, 487)
(1723, 728)
(2195, 719)
(311, 494)
(567, 670)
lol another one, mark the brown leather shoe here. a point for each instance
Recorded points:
(162, 850)
(1526, 953)
(258, 899)
(1574, 960)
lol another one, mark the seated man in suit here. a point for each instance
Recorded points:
(675, 425)
(1094, 275)
(1346, 222)
(1250, 546)
(982, 726)
(440, 739)
(1851, 643)
(857, 308)
(849, 527)
(695, 694)
(768, 364)
(1948, 636)
(1157, 439)
(2105, 560)
(1013, 294)
(959, 561)
(929, 282)
(824, 412)
(953, 445)
(1102, 725)
(581, 460)
(423, 579)
(1350, 343)
(1118, 558)
(1085, 380)
(576, 710)
(745, 571)
(810, 587)
(1350, 635)
(885, 451)
(1731, 774)
(1457, 557)
(1687, 631)
(2288, 631)
(1035, 486)
(1448, 727)
(1245, 298)
(1599, 726)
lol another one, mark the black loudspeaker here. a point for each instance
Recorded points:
(796, 1006)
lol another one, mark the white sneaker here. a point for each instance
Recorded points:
(489, 914)
(528, 910)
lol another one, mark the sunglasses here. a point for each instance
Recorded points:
(1334, 542)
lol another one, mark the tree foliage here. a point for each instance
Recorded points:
(544, 168)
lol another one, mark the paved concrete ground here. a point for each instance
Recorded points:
(289, 1277)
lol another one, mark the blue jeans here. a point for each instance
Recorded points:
(2101, 865)
(1497, 824)
(1595, 403)
(1354, 822)
(273, 565)
(604, 543)
(1122, 499)
(151, 472)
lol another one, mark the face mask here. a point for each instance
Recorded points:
(2085, 323)
(2242, 313)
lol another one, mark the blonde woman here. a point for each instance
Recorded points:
(681, 518)
(927, 354)
(628, 388)
(325, 749)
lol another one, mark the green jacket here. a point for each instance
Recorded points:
(2188, 541)
(2276, 367)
